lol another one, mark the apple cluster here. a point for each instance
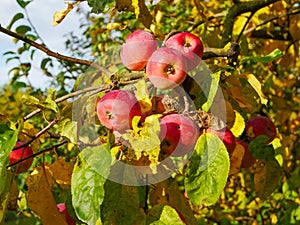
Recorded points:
(178, 132)
(255, 127)
(167, 66)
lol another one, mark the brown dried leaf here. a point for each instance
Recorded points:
(40, 197)
(266, 177)
(236, 159)
(168, 193)
(62, 173)
(59, 16)
(139, 8)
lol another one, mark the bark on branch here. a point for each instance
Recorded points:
(238, 9)
(49, 52)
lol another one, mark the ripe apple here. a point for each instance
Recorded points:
(248, 160)
(189, 45)
(226, 136)
(166, 68)
(261, 125)
(117, 108)
(137, 49)
(63, 209)
(16, 155)
(178, 134)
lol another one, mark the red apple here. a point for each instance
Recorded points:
(137, 49)
(248, 160)
(117, 108)
(166, 68)
(16, 155)
(63, 209)
(189, 45)
(261, 125)
(226, 136)
(180, 132)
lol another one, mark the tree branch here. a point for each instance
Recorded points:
(36, 154)
(37, 135)
(49, 52)
(238, 9)
(73, 94)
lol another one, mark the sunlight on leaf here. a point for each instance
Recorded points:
(208, 170)
(142, 96)
(255, 83)
(40, 197)
(60, 16)
(239, 124)
(145, 139)
(212, 91)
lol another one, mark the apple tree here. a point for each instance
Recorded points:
(164, 112)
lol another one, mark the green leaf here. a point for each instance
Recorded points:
(215, 78)
(14, 19)
(87, 185)
(168, 215)
(4, 195)
(23, 29)
(100, 6)
(274, 55)
(121, 204)
(68, 129)
(8, 139)
(22, 3)
(49, 103)
(45, 62)
(260, 150)
(145, 139)
(208, 170)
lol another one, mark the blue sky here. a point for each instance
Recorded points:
(41, 15)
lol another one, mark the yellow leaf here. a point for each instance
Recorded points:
(239, 24)
(142, 96)
(59, 16)
(254, 82)
(239, 124)
(145, 139)
(40, 197)
(135, 4)
(62, 173)
(236, 159)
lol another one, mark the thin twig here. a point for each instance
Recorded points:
(38, 153)
(51, 53)
(37, 135)
(71, 95)
(270, 20)
(244, 27)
